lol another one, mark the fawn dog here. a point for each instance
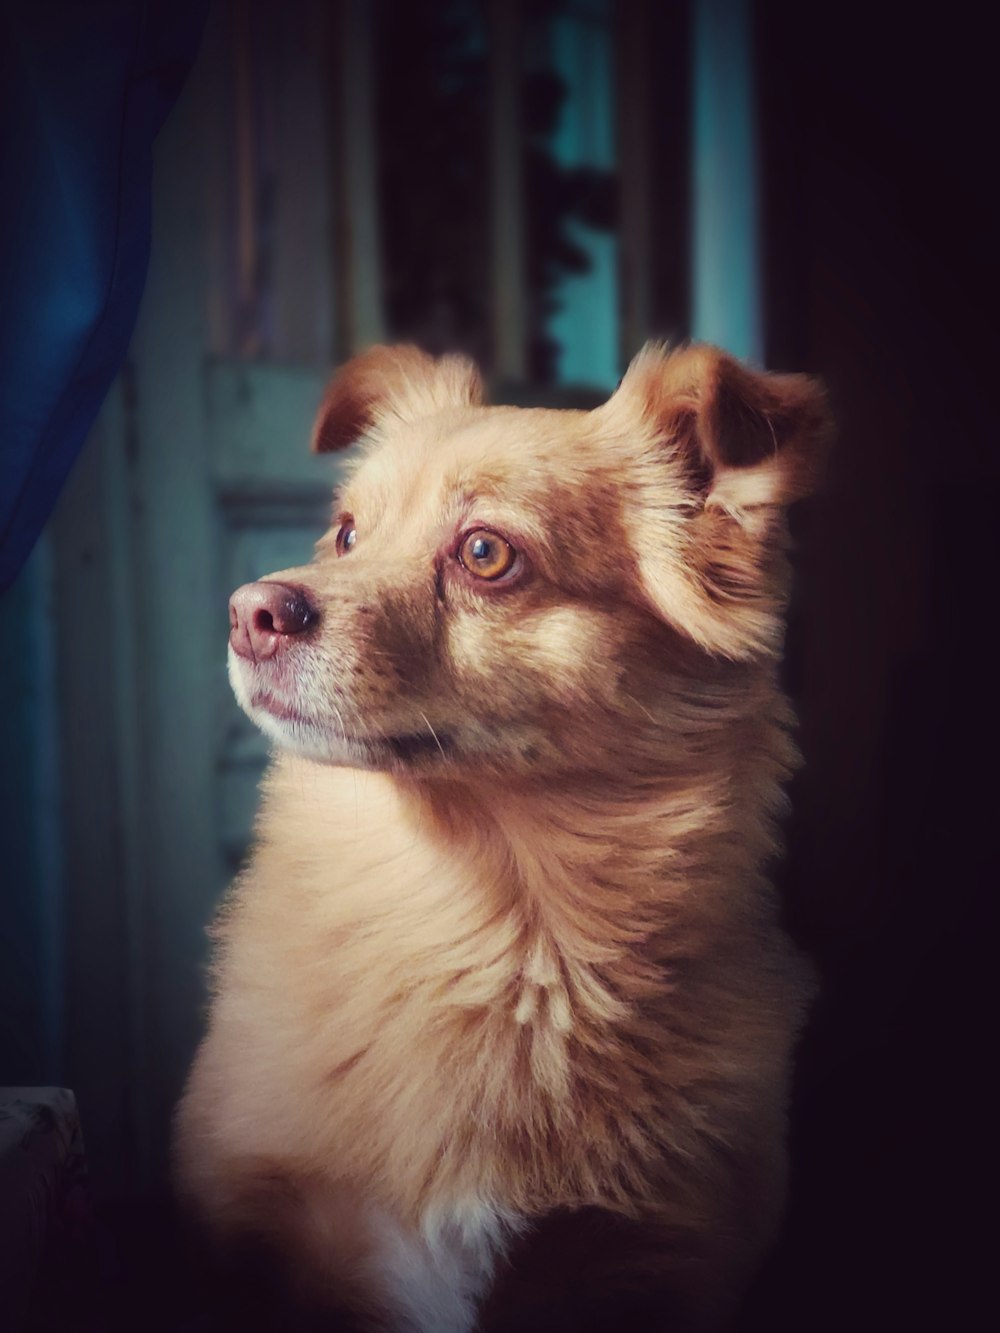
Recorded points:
(503, 1014)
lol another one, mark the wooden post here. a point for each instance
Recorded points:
(634, 167)
(358, 295)
(726, 293)
(174, 872)
(302, 287)
(507, 196)
(247, 304)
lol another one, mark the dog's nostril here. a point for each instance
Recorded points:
(263, 621)
(293, 614)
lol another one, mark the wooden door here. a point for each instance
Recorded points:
(197, 478)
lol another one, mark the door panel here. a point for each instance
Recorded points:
(258, 535)
(199, 478)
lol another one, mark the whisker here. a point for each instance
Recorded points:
(340, 719)
(633, 700)
(433, 733)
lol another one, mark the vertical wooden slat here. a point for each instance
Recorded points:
(247, 334)
(634, 166)
(220, 197)
(105, 962)
(727, 308)
(509, 303)
(122, 505)
(180, 624)
(32, 901)
(302, 279)
(359, 287)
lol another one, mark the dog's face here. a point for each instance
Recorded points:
(526, 591)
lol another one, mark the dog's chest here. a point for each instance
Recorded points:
(396, 988)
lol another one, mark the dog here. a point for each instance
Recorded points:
(503, 1015)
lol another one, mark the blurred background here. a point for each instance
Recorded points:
(543, 186)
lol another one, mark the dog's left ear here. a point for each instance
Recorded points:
(744, 437)
(717, 450)
(386, 383)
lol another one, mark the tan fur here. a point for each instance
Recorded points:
(506, 945)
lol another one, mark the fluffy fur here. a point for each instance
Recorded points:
(504, 980)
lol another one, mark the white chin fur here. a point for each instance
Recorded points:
(313, 740)
(306, 739)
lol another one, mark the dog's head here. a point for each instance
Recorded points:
(527, 590)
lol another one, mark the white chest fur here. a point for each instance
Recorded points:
(433, 1281)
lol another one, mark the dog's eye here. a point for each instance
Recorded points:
(347, 535)
(486, 554)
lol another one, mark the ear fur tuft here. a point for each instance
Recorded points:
(719, 450)
(744, 437)
(401, 382)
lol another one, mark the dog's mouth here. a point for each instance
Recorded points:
(403, 748)
(270, 703)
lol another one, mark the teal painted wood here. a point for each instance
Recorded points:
(726, 277)
(506, 180)
(103, 1000)
(197, 477)
(178, 621)
(586, 323)
(260, 419)
(360, 317)
(31, 902)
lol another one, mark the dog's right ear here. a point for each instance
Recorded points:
(383, 383)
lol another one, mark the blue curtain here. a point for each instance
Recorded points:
(84, 87)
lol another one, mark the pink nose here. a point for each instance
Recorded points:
(264, 617)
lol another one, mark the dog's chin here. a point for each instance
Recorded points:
(305, 736)
(326, 744)
(327, 740)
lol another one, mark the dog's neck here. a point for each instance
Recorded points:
(624, 848)
(573, 903)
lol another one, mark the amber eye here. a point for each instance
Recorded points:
(486, 554)
(347, 535)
